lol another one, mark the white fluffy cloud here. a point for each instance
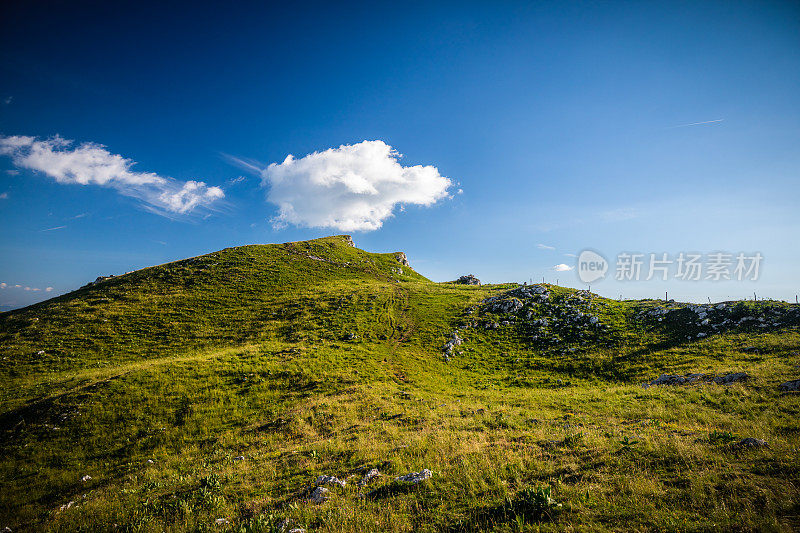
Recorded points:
(350, 188)
(562, 268)
(92, 164)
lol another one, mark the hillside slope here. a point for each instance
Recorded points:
(210, 394)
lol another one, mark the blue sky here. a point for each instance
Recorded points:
(566, 125)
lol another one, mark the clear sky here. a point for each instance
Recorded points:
(529, 131)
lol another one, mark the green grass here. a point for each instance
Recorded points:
(318, 358)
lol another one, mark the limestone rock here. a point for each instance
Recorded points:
(416, 477)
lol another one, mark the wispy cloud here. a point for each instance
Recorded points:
(562, 268)
(620, 214)
(53, 229)
(698, 123)
(351, 188)
(236, 180)
(5, 285)
(545, 247)
(4, 196)
(8, 99)
(80, 215)
(12, 172)
(571, 255)
(93, 164)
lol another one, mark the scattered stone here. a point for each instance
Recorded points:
(66, 506)
(222, 521)
(86, 478)
(329, 480)
(40, 352)
(510, 306)
(726, 379)
(469, 279)
(150, 461)
(319, 496)
(790, 386)
(369, 476)
(239, 458)
(416, 477)
(731, 378)
(750, 442)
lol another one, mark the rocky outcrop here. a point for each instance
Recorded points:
(320, 495)
(725, 379)
(416, 477)
(369, 476)
(468, 279)
(402, 259)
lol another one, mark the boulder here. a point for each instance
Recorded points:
(750, 442)
(329, 480)
(320, 495)
(790, 386)
(469, 279)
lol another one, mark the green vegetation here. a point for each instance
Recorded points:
(208, 394)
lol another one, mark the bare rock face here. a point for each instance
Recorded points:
(349, 240)
(469, 279)
(402, 259)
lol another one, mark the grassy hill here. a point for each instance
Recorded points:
(209, 394)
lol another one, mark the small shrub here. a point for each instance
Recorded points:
(534, 503)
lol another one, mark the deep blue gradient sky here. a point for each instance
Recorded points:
(565, 124)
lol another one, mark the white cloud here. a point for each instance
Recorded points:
(48, 289)
(92, 164)
(562, 268)
(4, 196)
(350, 188)
(545, 247)
(53, 229)
(623, 213)
(12, 172)
(571, 255)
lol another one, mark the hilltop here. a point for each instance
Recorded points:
(313, 385)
